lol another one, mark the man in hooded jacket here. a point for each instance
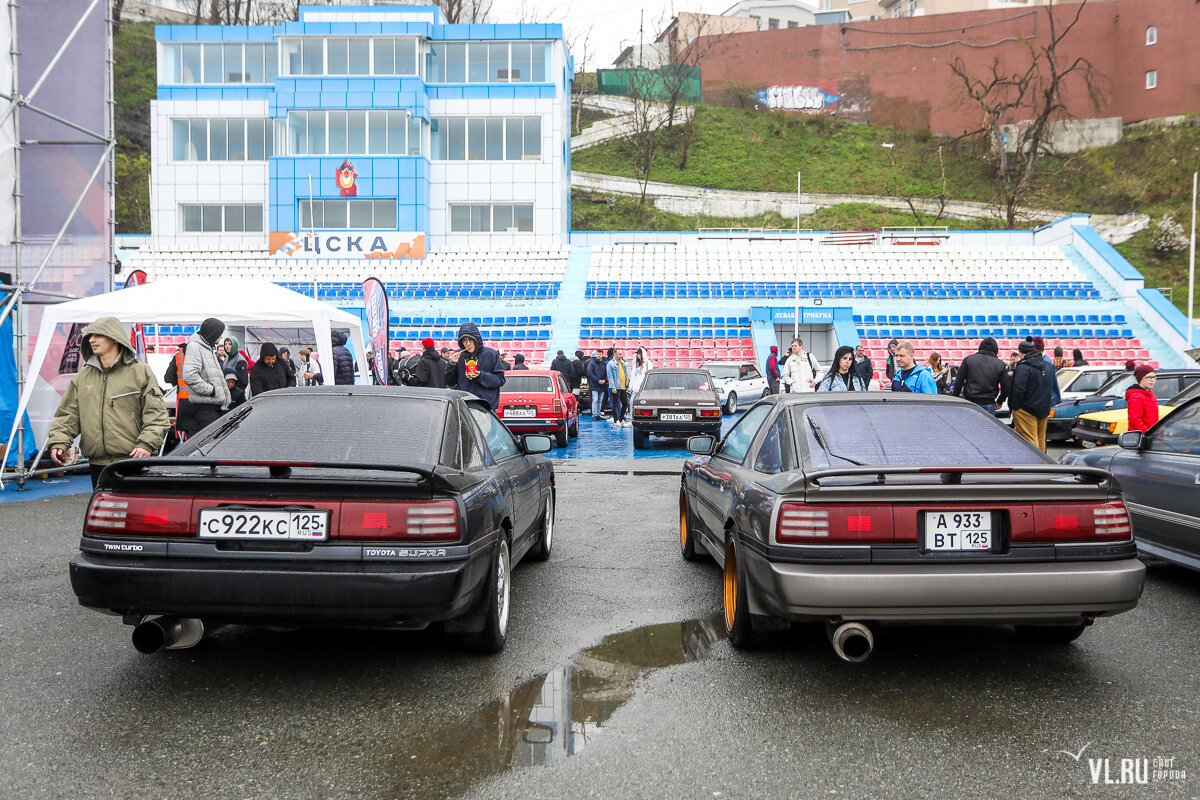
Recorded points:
(113, 404)
(343, 361)
(268, 372)
(1032, 394)
(562, 365)
(237, 362)
(475, 368)
(204, 376)
(578, 370)
(982, 378)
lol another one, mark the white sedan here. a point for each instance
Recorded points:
(736, 382)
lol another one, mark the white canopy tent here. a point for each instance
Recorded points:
(189, 301)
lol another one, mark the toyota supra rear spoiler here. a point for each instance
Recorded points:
(135, 470)
(845, 477)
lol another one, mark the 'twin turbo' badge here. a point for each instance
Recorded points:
(345, 179)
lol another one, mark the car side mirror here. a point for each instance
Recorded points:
(1130, 440)
(701, 445)
(532, 443)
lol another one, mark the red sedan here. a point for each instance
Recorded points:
(538, 401)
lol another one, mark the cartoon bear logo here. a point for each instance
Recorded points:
(345, 179)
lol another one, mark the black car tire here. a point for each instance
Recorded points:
(640, 440)
(495, 621)
(541, 550)
(573, 428)
(738, 629)
(731, 404)
(560, 437)
(1051, 634)
(687, 539)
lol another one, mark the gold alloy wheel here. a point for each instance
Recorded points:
(731, 586)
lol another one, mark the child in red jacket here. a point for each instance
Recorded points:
(1140, 401)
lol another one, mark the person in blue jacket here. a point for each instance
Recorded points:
(475, 368)
(911, 376)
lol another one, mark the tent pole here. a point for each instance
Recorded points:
(18, 317)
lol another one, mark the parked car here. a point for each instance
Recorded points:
(1077, 382)
(1112, 396)
(1105, 427)
(675, 402)
(853, 509)
(737, 383)
(1159, 473)
(539, 401)
(404, 507)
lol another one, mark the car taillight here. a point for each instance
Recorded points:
(643, 412)
(557, 406)
(710, 412)
(123, 515)
(1067, 522)
(424, 521)
(826, 524)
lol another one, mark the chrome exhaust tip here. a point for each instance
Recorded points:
(852, 641)
(155, 632)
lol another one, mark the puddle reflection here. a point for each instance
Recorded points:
(552, 716)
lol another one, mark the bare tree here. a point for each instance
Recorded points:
(465, 11)
(1036, 90)
(646, 121)
(117, 7)
(899, 189)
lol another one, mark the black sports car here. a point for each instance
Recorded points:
(375, 507)
(854, 509)
(675, 402)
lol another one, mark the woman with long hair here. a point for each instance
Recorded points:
(941, 373)
(841, 376)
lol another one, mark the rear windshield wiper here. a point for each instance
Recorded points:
(820, 437)
(231, 423)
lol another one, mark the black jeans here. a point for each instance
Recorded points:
(96, 469)
(620, 400)
(203, 415)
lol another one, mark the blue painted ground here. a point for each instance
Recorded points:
(44, 489)
(602, 440)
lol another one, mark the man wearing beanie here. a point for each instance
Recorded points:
(982, 377)
(430, 370)
(578, 371)
(1040, 345)
(773, 370)
(267, 373)
(1030, 398)
(519, 361)
(562, 365)
(113, 404)
(205, 379)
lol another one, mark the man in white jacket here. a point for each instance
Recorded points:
(800, 370)
(207, 389)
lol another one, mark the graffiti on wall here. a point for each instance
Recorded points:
(795, 98)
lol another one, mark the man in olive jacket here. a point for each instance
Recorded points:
(113, 405)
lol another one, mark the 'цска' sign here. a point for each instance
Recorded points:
(348, 244)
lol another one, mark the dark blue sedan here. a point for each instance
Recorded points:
(1111, 396)
(1159, 473)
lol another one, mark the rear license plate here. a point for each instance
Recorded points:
(520, 412)
(221, 523)
(958, 530)
(675, 417)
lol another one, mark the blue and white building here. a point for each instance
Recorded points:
(360, 128)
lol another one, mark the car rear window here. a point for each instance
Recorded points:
(721, 370)
(1089, 382)
(526, 383)
(305, 426)
(664, 381)
(908, 435)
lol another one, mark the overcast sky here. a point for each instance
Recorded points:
(613, 24)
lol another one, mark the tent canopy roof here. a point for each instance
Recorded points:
(188, 301)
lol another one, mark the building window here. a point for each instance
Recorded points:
(350, 56)
(912, 8)
(485, 139)
(792, 24)
(395, 56)
(1151, 35)
(354, 133)
(486, 62)
(757, 22)
(1151, 78)
(355, 215)
(772, 24)
(897, 11)
(221, 140)
(499, 218)
(217, 218)
(216, 63)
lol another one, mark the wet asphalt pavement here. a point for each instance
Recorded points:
(615, 683)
